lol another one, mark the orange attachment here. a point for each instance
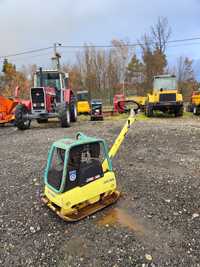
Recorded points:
(6, 109)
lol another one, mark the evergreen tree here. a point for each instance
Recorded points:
(8, 68)
(135, 70)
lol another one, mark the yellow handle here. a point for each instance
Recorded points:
(118, 141)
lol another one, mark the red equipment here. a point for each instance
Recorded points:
(7, 107)
(119, 98)
(6, 110)
(122, 105)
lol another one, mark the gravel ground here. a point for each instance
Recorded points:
(155, 222)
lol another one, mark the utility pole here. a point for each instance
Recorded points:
(123, 71)
(56, 57)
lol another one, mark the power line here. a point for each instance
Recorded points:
(29, 56)
(93, 46)
(38, 55)
(178, 45)
(27, 52)
(184, 40)
(128, 45)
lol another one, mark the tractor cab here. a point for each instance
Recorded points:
(53, 79)
(75, 163)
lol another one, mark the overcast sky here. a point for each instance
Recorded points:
(31, 24)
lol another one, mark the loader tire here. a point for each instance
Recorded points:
(178, 112)
(149, 111)
(190, 108)
(64, 115)
(73, 112)
(42, 120)
(196, 110)
(21, 122)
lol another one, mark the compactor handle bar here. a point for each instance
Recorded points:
(120, 138)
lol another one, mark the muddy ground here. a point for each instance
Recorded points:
(155, 223)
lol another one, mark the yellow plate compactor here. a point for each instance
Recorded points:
(79, 178)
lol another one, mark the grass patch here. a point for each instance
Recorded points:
(124, 116)
(84, 117)
(139, 117)
(187, 114)
(142, 117)
(116, 117)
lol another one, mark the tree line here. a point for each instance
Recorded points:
(120, 68)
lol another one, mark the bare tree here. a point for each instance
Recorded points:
(160, 34)
(184, 69)
(123, 53)
(185, 76)
(153, 47)
(100, 71)
(28, 72)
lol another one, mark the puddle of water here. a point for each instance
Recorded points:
(117, 216)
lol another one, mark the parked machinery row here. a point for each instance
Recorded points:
(51, 97)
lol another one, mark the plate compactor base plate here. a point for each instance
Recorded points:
(87, 210)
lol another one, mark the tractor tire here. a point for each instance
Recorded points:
(64, 115)
(42, 120)
(21, 123)
(149, 111)
(178, 112)
(73, 112)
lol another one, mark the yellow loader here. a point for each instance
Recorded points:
(164, 97)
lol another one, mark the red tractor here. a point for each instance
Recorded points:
(49, 98)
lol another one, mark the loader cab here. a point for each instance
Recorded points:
(164, 83)
(83, 95)
(76, 164)
(54, 79)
